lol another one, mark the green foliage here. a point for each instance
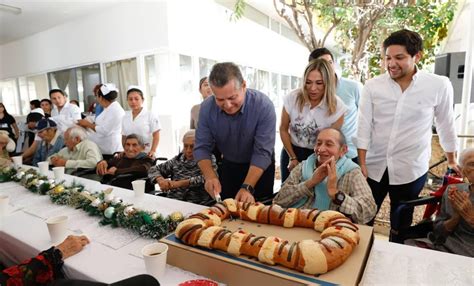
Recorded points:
(145, 223)
(239, 9)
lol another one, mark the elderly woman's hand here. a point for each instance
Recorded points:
(72, 245)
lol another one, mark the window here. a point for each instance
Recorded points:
(250, 76)
(122, 73)
(9, 96)
(285, 84)
(263, 81)
(275, 89)
(205, 67)
(33, 87)
(295, 82)
(77, 83)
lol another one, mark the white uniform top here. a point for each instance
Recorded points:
(108, 129)
(144, 125)
(305, 125)
(395, 127)
(67, 117)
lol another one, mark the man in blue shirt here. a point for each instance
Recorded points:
(349, 91)
(241, 122)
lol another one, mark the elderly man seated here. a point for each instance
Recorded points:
(51, 142)
(78, 153)
(181, 177)
(454, 227)
(329, 180)
(134, 161)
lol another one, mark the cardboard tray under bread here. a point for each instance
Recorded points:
(242, 270)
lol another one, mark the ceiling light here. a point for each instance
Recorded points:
(10, 9)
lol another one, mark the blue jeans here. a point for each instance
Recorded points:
(397, 193)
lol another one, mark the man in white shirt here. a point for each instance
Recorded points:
(63, 113)
(396, 113)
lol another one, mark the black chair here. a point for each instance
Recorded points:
(399, 234)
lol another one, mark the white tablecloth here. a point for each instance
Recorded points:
(23, 234)
(398, 264)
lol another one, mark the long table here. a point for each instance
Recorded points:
(23, 234)
(113, 253)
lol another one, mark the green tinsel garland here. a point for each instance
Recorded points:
(102, 204)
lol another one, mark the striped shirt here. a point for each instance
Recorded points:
(359, 203)
(179, 168)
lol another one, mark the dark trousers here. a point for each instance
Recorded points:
(301, 154)
(142, 280)
(232, 176)
(397, 193)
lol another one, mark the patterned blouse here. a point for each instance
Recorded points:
(40, 270)
(179, 168)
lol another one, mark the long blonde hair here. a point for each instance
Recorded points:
(329, 79)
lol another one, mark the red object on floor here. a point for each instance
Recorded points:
(199, 282)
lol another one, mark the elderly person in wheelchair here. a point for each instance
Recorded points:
(180, 178)
(133, 164)
(453, 229)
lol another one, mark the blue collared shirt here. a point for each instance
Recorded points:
(246, 137)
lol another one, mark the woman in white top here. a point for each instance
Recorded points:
(64, 114)
(307, 110)
(141, 122)
(106, 132)
(205, 90)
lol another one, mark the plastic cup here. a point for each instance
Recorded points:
(17, 161)
(155, 259)
(58, 173)
(4, 200)
(57, 227)
(139, 187)
(43, 167)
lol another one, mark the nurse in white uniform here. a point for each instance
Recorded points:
(140, 121)
(106, 131)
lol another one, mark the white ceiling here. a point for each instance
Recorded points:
(37, 16)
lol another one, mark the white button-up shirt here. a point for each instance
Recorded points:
(395, 127)
(145, 124)
(108, 129)
(67, 117)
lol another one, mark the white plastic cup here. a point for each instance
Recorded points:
(43, 167)
(155, 259)
(57, 227)
(139, 187)
(4, 200)
(17, 161)
(58, 173)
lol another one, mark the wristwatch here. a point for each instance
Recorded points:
(248, 187)
(339, 198)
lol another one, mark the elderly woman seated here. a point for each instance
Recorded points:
(454, 227)
(133, 164)
(181, 177)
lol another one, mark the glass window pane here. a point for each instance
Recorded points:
(285, 84)
(9, 96)
(205, 67)
(150, 80)
(87, 78)
(186, 74)
(251, 77)
(122, 73)
(295, 82)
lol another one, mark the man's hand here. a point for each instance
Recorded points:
(164, 184)
(58, 161)
(101, 168)
(332, 178)
(363, 169)
(319, 174)
(111, 171)
(244, 196)
(455, 167)
(213, 187)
